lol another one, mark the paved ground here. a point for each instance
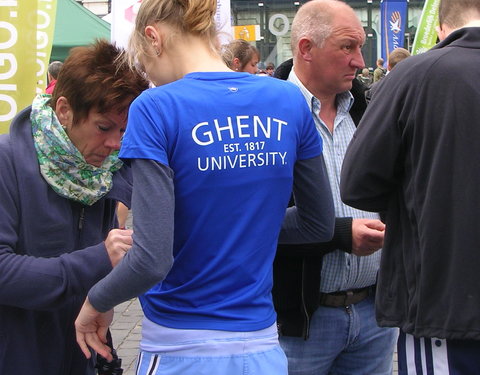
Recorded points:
(126, 331)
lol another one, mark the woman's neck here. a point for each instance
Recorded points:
(192, 54)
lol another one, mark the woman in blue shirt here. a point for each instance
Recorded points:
(213, 172)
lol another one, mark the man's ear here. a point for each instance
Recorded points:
(442, 32)
(305, 46)
(64, 112)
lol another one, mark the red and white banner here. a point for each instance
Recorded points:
(124, 12)
(123, 20)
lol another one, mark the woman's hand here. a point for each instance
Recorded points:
(91, 330)
(118, 242)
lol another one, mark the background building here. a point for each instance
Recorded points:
(100, 7)
(266, 24)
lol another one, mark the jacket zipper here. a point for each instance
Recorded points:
(81, 218)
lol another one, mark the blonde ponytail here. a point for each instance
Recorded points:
(195, 17)
(199, 15)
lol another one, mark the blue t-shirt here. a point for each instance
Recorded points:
(232, 140)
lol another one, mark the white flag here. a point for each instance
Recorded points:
(123, 20)
(223, 19)
(124, 12)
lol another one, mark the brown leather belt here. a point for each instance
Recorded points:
(343, 299)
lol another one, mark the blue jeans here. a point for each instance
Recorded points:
(343, 341)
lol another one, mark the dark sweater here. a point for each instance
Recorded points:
(415, 154)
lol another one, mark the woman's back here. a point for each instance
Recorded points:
(233, 160)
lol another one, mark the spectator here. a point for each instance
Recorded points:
(365, 77)
(213, 171)
(416, 156)
(57, 209)
(52, 75)
(270, 68)
(326, 306)
(397, 55)
(241, 56)
(379, 71)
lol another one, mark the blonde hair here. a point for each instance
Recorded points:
(195, 17)
(456, 13)
(240, 49)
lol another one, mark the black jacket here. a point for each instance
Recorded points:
(297, 268)
(422, 166)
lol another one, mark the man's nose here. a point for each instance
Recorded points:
(357, 60)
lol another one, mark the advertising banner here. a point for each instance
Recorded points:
(393, 18)
(250, 33)
(426, 35)
(26, 30)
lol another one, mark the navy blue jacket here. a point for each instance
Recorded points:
(51, 253)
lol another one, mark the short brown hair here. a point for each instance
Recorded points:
(456, 13)
(397, 55)
(93, 77)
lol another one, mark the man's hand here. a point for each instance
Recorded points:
(367, 236)
(118, 242)
(91, 329)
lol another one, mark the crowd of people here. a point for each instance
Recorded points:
(313, 236)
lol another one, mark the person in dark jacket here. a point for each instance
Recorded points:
(314, 292)
(397, 55)
(59, 183)
(416, 156)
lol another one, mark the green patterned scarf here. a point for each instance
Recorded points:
(61, 164)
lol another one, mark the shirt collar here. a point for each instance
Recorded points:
(344, 99)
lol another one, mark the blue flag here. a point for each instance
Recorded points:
(393, 14)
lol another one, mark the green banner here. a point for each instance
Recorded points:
(26, 32)
(426, 35)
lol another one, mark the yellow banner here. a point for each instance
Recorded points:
(26, 32)
(46, 14)
(250, 33)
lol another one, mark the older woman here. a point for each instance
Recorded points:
(60, 179)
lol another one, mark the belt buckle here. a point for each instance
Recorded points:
(348, 295)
